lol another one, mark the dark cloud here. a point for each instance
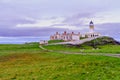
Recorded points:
(110, 29)
(17, 32)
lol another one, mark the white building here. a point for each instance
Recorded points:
(43, 42)
(92, 33)
(73, 37)
(65, 36)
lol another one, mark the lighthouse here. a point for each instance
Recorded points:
(91, 26)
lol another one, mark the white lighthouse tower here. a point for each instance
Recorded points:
(91, 26)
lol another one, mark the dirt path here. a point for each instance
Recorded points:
(67, 52)
(41, 47)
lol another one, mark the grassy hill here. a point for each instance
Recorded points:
(55, 41)
(99, 45)
(29, 62)
(102, 41)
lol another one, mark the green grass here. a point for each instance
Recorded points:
(99, 45)
(104, 49)
(28, 62)
(55, 41)
(16, 48)
(61, 48)
(85, 49)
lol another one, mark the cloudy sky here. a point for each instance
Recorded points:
(36, 18)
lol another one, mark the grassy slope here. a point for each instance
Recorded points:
(28, 62)
(86, 49)
(102, 44)
(55, 41)
(6, 49)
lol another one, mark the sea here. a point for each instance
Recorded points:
(21, 40)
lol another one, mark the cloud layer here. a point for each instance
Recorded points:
(44, 17)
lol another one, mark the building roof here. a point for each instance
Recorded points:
(91, 22)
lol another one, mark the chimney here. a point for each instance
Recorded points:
(56, 32)
(65, 32)
(72, 32)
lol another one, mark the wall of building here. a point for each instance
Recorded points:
(65, 36)
(75, 37)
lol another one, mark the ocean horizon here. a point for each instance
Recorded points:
(21, 40)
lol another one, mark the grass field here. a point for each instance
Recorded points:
(86, 49)
(99, 45)
(55, 41)
(28, 62)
